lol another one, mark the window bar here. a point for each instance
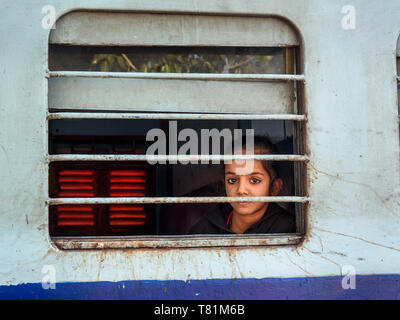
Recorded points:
(160, 200)
(144, 157)
(174, 116)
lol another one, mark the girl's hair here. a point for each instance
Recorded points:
(262, 145)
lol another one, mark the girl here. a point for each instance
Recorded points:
(245, 179)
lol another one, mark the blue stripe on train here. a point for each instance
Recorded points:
(367, 287)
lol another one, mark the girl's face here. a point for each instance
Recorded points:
(251, 182)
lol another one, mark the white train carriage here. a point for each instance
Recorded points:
(83, 213)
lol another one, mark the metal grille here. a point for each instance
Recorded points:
(126, 187)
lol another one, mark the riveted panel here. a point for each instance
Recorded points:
(98, 28)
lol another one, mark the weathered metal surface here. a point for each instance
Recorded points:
(176, 242)
(174, 116)
(160, 95)
(352, 138)
(148, 200)
(89, 28)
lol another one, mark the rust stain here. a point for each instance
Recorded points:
(183, 242)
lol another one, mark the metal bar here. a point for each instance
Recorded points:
(153, 200)
(227, 240)
(177, 76)
(175, 116)
(173, 158)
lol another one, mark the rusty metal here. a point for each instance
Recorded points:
(174, 158)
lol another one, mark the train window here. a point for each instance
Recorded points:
(167, 72)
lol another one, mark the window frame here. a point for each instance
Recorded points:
(191, 241)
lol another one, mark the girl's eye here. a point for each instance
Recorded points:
(231, 180)
(255, 180)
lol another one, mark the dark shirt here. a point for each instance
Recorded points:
(275, 220)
